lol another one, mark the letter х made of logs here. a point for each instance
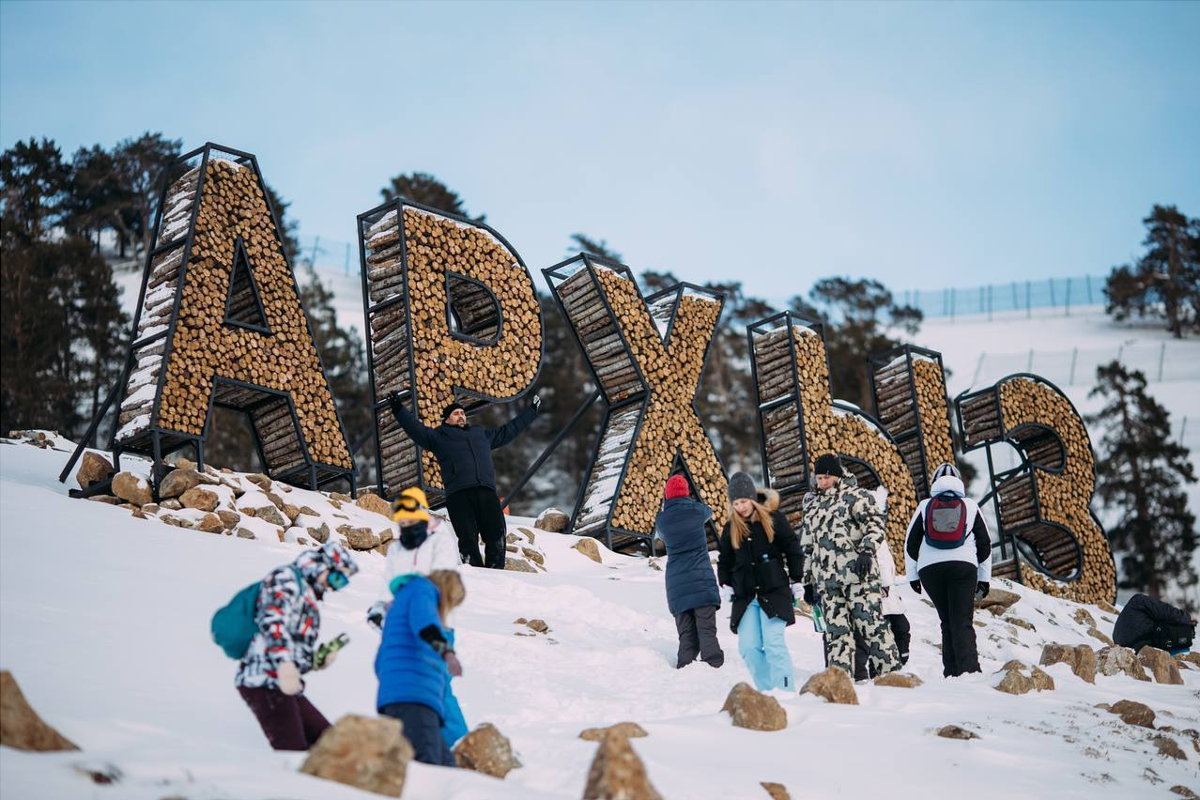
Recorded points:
(647, 356)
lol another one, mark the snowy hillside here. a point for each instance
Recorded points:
(104, 623)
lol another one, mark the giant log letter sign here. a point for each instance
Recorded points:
(647, 356)
(799, 422)
(1044, 504)
(220, 322)
(451, 315)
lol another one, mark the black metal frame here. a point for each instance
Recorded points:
(792, 319)
(240, 257)
(876, 362)
(1010, 536)
(559, 273)
(466, 335)
(155, 441)
(474, 400)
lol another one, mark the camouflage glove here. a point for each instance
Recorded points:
(862, 565)
(810, 595)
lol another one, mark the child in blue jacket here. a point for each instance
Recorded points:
(415, 660)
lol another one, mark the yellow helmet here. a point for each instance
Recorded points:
(410, 506)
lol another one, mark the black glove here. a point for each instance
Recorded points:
(810, 595)
(537, 404)
(395, 400)
(376, 614)
(916, 586)
(983, 588)
(862, 565)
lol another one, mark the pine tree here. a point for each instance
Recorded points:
(1140, 474)
(1166, 279)
(423, 188)
(860, 317)
(34, 178)
(581, 243)
(140, 164)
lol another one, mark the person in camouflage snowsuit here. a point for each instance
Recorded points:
(841, 531)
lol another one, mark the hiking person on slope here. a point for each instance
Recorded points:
(423, 545)
(841, 533)
(759, 564)
(416, 659)
(692, 595)
(283, 648)
(948, 552)
(463, 451)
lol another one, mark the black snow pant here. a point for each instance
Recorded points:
(290, 722)
(698, 637)
(900, 632)
(476, 512)
(423, 729)
(951, 587)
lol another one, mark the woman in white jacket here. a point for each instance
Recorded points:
(424, 543)
(948, 552)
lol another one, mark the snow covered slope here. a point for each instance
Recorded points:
(104, 622)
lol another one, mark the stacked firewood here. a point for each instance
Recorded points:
(910, 394)
(158, 304)
(793, 442)
(203, 348)
(419, 264)
(1054, 516)
(598, 332)
(672, 370)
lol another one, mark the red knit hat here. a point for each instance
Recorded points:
(677, 486)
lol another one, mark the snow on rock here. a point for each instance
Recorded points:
(104, 620)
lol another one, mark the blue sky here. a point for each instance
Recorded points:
(775, 143)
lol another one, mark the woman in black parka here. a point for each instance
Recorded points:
(761, 563)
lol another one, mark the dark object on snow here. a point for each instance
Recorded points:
(290, 722)
(1146, 621)
(689, 579)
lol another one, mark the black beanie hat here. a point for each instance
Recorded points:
(828, 464)
(741, 487)
(450, 409)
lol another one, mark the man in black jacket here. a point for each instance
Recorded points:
(464, 453)
(1146, 621)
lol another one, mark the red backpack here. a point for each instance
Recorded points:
(945, 521)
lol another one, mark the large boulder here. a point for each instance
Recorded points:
(92, 469)
(618, 774)
(373, 502)
(177, 482)
(956, 732)
(1160, 664)
(132, 488)
(20, 726)
(1117, 660)
(1132, 712)
(589, 548)
(198, 498)
(270, 514)
(486, 750)
(552, 520)
(754, 710)
(1168, 747)
(998, 601)
(1016, 681)
(834, 684)
(630, 730)
(368, 753)
(1081, 659)
(901, 680)
(259, 480)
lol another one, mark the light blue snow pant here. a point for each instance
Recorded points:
(454, 726)
(761, 643)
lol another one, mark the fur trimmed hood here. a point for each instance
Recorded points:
(769, 498)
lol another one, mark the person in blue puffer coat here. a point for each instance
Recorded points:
(415, 660)
(692, 594)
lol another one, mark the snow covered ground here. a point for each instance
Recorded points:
(104, 623)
